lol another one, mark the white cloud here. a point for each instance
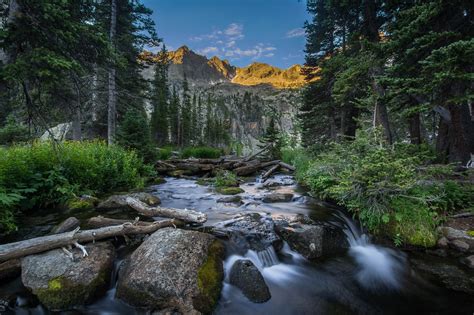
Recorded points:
(208, 50)
(297, 32)
(227, 42)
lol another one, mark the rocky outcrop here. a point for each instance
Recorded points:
(120, 201)
(262, 73)
(175, 269)
(313, 241)
(230, 199)
(60, 283)
(246, 276)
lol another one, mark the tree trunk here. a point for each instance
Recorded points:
(45, 243)
(414, 127)
(112, 101)
(380, 109)
(442, 142)
(460, 134)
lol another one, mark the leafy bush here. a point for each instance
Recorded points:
(164, 153)
(44, 174)
(201, 152)
(386, 187)
(299, 158)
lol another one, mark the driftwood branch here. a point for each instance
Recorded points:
(180, 214)
(270, 171)
(45, 243)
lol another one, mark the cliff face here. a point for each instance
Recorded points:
(246, 95)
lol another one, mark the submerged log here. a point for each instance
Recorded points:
(45, 243)
(185, 215)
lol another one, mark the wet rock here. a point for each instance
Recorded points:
(443, 242)
(119, 201)
(459, 245)
(453, 234)
(277, 197)
(277, 182)
(67, 225)
(468, 261)
(251, 231)
(60, 283)
(450, 276)
(245, 276)
(230, 199)
(175, 269)
(314, 241)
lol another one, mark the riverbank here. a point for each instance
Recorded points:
(364, 278)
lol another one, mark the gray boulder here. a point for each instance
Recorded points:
(60, 283)
(245, 276)
(277, 197)
(459, 240)
(119, 201)
(174, 269)
(314, 241)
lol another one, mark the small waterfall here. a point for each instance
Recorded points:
(378, 267)
(268, 257)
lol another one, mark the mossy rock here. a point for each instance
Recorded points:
(229, 190)
(470, 233)
(84, 202)
(174, 268)
(210, 277)
(61, 283)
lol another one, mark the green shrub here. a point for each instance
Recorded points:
(164, 153)
(389, 188)
(225, 179)
(44, 174)
(300, 159)
(201, 152)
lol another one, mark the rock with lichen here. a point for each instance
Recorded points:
(60, 282)
(174, 269)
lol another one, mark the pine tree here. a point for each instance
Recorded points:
(134, 133)
(173, 117)
(160, 100)
(186, 122)
(272, 140)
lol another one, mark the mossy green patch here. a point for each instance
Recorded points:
(63, 293)
(82, 203)
(210, 277)
(229, 190)
(470, 233)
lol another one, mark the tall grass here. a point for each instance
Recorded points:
(43, 174)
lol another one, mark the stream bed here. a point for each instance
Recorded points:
(366, 279)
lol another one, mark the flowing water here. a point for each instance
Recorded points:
(368, 279)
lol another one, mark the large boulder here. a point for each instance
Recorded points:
(60, 282)
(175, 269)
(314, 241)
(246, 276)
(119, 201)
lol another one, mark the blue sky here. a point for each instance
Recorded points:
(242, 31)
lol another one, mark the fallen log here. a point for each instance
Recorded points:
(45, 243)
(67, 225)
(185, 215)
(270, 171)
(252, 168)
(100, 221)
(287, 166)
(257, 154)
